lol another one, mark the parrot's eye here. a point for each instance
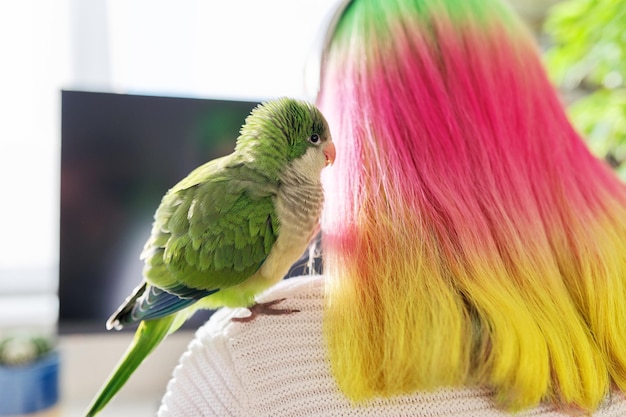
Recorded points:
(314, 139)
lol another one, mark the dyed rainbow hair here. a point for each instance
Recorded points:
(470, 238)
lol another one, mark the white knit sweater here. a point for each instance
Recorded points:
(276, 366)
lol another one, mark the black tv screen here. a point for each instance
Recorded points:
(120, 153)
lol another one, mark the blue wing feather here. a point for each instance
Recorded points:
(150, 302)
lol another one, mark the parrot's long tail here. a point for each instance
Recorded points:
(148, 335)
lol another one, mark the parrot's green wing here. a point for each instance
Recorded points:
(212, 230)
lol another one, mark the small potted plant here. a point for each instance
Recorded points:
(29, 375)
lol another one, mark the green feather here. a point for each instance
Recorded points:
(204, 230)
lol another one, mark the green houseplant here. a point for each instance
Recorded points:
(587, 60)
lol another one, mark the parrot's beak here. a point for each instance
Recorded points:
(330, 153)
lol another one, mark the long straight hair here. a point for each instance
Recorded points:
(470, 238)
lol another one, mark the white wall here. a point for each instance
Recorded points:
(33, 66)
(234, 49)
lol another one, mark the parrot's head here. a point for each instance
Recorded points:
(288, 133)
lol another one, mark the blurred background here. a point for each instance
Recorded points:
(107, 103)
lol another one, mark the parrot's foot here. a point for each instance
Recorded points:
(260, 309)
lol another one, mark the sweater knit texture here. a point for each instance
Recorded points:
(276, 366)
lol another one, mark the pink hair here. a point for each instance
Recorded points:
(469, 235)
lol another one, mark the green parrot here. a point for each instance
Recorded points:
(229, 230)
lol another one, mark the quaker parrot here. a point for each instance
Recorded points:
(229, 230)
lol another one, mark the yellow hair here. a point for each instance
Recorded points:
(469, 236)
